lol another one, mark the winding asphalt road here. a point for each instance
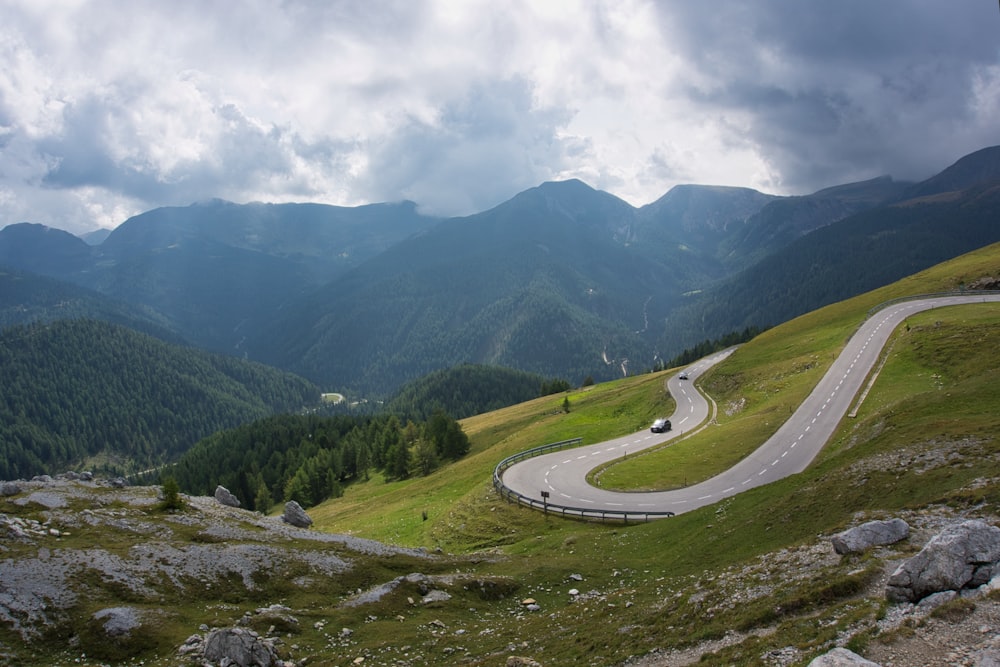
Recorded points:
(790, 450)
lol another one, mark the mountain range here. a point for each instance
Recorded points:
(561, 280)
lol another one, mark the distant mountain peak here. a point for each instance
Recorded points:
(212, 201)
(571, 194)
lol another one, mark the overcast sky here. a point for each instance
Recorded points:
(110, 108)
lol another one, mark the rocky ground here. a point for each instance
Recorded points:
(55, 530)
(925, 634)
(918, 639)
(64, 539)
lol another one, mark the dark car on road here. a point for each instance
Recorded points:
(660, 426)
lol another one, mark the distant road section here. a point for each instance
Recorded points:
(563, 474)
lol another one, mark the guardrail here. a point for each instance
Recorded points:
(587, 514)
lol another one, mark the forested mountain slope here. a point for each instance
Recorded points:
(217, 271)
(27, 297)
(855, 255)
(537, 283)
(84, 392)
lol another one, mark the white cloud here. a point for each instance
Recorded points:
(110, 108)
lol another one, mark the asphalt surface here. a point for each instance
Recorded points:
(789, 451)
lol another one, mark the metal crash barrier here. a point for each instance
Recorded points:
(543, 504)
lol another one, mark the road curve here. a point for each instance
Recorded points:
(790, 450)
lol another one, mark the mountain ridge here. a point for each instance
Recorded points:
(562, 279)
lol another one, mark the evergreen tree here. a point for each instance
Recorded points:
(456, 443)
(425, 458)
(172, 500)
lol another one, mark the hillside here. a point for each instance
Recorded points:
(82, 393)
(855, 255)
(27, 297)
(105, 576)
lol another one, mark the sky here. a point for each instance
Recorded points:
(109, 108)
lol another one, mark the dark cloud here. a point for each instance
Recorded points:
(841, 90)
(111, 108)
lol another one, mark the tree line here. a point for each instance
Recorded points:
(310, 458)
(470, 389)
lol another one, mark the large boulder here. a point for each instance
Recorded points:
(295, 515)
(9, 488)
(118, 621)
(241, 647)
(872, 534)
(841, 657)
(226, 498)
(964, 555)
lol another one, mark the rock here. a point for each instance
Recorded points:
(962, 556)
(988, 657)
(422, 582)
(295, 515)
(279, 617)
(242, 647)
(435, 596)
(985, 283)
(224, 497)
(519, 661)
(934, 600)
(119, 482)
(871, 534)
(533, 607)
(118, 621)
(9, 488)
(576, 577)
(574, 592)
(841, 657)
(194, 644)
